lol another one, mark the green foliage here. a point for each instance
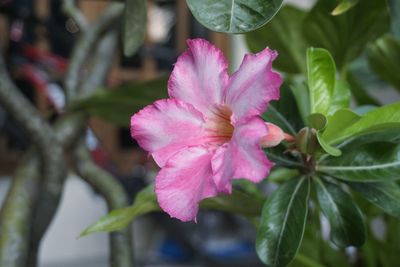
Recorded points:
(344, 6)
(385, 195)
(384, 58)
(344, 216)
(374, 157)
(282, 223)
(134, 30)
(119, 104)
(321, 73)
(245, 203)
(347, 35)
(283, 33)
(234, 16)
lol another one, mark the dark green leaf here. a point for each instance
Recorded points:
(119, 104)
(384, 59)
(373, 157)
(321, 72)
(134, 25)
(360, 94)
(347, 35)
(301, 94)
(344, 216)
(284, 113)
(234, 16)
(283, 34)
(283, 222)
(344, 6)
(384, 195)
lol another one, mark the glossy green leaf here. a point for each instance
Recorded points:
(371, 158)
(321, 72)
(347, 35)
(384, 59)
(234, 16)
(338, 122)
(341, 97)
(384, 195)
(119, 104)
(385, 117)
(282, 34)
(135, 20)
(344, 216)
(344, 6)
(282, 224)
(331, 150)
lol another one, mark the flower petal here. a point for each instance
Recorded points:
(166, 127)
(184, 181)
(253, 85)
(199, 76)
(242, 157)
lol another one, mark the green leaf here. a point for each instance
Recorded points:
(317, 121)
(285, 112)
(386, 117)
(301, 94)
(338, 122)
(119, 104)
(239, 202)
(283, 222)
(344, 216)
(145, 202)
(384, 195)
(360, 94)
(283, 34)
(344, 6)
(333, 151)
(321, 73)
(341, 97)
(135, 20)
(234, 16)
(371, 158)
(384, 59)
(347, 35)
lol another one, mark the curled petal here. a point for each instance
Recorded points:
(166, 127)
(253, 85)
(184, 181)
(199, 76)
(242, 157)
(274, 137)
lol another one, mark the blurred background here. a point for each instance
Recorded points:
(37, 39)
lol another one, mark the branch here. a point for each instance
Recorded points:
(83, 48)
(106, 185)
(70, 9)
(25, 188)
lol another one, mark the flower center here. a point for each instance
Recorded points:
(219, 125)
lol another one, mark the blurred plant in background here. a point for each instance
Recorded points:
(342, 170)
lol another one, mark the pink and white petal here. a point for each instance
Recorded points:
(184, 181)
(242, 157)
(253, 85)
(199, 76)
(167, 126)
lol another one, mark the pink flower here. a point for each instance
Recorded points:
(209, 131)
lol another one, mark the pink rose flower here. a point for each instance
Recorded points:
(209, 131)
